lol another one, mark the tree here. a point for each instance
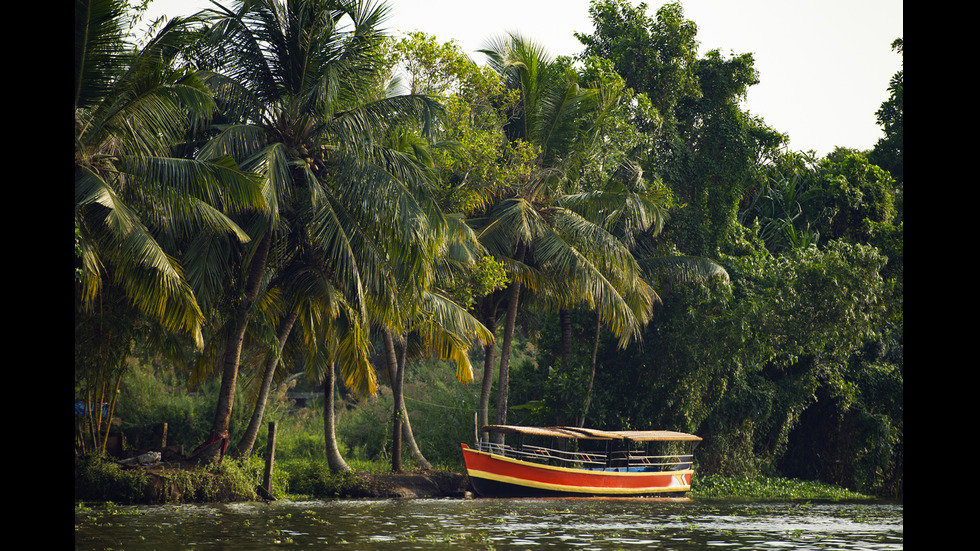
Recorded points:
(551, 250)
(656, 56)
(138, 195)
(472, 163)
(707, 149)
(852, 192)
(431, 324)
(296, 83)
(133, 108)
(890, 150)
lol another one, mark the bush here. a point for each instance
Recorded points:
(763, 488)
(100, 479)
(151, 395)
(314, 479)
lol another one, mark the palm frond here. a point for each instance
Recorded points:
(101, 51)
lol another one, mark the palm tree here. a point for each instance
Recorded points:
(417, 313)
(138, 194)
(295, 80)
(439, 327)
(561, 256)
(133, 194)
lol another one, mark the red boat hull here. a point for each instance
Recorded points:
(496, 476)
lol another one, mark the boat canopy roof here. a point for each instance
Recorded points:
(594, 434)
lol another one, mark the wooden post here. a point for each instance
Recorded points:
(159, 437)
(270, 456)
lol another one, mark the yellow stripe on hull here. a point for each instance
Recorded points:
(676, 484)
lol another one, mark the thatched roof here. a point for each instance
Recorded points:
(594, 434)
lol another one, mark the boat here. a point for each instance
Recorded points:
(583, 463)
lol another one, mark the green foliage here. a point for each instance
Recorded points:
(775, 489)
(889, 152)
(656, 56)
(473, 158)
(739, 363)
(314, 479)
(98, 478)
(803, 201)
(853, 191)
(155, 392)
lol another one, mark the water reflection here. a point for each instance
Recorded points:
(496, 524)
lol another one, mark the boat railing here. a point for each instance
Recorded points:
(567, 457)
(672, 462)
(495, 448)
(590, 460)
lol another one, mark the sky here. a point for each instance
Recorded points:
(824, 65)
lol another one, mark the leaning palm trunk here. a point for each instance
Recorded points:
(409, 439)
(513, 297)
(391, 359)
(334, 459)
(244, 448)
(401, 432)
(484, 413)
(236, 338)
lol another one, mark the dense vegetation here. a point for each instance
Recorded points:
(275, 195)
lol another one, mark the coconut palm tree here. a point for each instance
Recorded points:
(296, 82)
(560, 256)
(438, 327)
(133, 193)
(139, 191)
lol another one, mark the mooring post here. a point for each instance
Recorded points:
(270, 456)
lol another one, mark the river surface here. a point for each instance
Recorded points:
(484, 524)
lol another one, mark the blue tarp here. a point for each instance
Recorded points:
(80, 409)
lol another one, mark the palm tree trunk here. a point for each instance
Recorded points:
(565, 357)
(588, 391)
(402, 430)
(396, 378)
(503, 382)
(334, 459)
(409, 439)
(490, 321)
(565, 326)
(244, 448)
(236, 338)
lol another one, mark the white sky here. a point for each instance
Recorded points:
(824, 65)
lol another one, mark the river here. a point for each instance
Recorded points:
(483, 524)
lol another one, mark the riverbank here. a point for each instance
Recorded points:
(103, 480)
(106, 480)
(430, 484)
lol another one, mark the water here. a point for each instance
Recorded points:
(483, 524)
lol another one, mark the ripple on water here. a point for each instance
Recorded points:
(499, 524)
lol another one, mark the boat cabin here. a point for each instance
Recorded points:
(594, 450)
